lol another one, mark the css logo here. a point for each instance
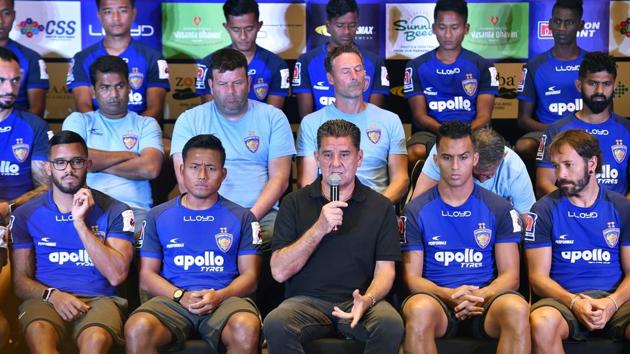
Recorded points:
(61, 27)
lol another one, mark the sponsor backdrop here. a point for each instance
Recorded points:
(507, 32)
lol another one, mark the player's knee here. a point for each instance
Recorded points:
(243, 328)
(416, 152)
(94, 337)
(421, 314)
(514, 313)
(276, 324)
(544, 323)
(40, 329)
(140, 326)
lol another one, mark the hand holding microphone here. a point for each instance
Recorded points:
(331, 215)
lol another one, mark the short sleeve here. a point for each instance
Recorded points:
(538, 226)
(414, 229)
(77, 76)
(300, 82)
(149, 244)
(121, 223)
(388, 241)
(279, 77)
(37, 77)
(307, 140)
(204, 73)
(381, 78)
(247, 245)
(41, 132)
(521, 189)
(489, 78)
(508, 226)
(20, 236)
(77, 123)
(412, 84)
(526, 90)
(158, 71)
(285, 228)
(151, 136)
(281, 139)
(543, 159)
(430, 168)
(182, 132)
(397, 142)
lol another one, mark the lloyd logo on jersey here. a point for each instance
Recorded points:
(470, 85)
(129, 140)
(136, 78)
(252, 142)
(224, 240)
(611, 235)
(483, 235)
(374, 134)
(619, 151)
(20, 150)
(261, 88)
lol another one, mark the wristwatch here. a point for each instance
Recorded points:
(178, 295)
(47, 293)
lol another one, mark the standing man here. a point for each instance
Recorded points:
(336, 256)
(71, 248)
(449, 82)
(547, 91)
(461, 259)
(269, 73)
(125, 148)
(309, 75)
(384, 166)
(577, 244)
(33, 83)
(148, 71)
(23, 142)
(499, 170)
(597, 82)
(199, 281)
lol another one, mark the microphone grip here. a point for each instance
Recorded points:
(334, 196)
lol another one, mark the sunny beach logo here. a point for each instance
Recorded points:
(417, 27)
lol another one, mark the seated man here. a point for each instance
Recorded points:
(269, 74)
(125, 148)
(449, 82)
(336, 254)
(23, 143)
(577, 242)
(71, 248)
(461, 260)
(498, 170)
(198, 281)
(597, 83)
(384, 166)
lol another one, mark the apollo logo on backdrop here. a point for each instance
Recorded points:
(589, 30)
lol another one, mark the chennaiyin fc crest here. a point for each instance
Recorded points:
(130, 139)
(470, 85)
(20, 150)
(252, 142)
(261, 88)
(619, 151)
(224, 240)
(374, 134)
(611, 235)
(483, 235)
(136, 78)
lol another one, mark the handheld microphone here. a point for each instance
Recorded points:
(333, 182)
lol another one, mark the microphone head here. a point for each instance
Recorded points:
(334, 179)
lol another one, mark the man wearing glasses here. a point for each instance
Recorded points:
(71, 247)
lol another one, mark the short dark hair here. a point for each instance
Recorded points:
(204, 141)
(458, 6)
(595, 62)
(337, 51)
(583, 143)
(339, 128)
(66, 137)
(455, 129)
(228, 59)
(131, 2)
(240, 8)
(336, 8)
(573, 5)
(8, 55)
(490, 145)
(107, 64)
(12, 2)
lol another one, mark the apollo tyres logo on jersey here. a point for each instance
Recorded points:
(469, 258)
(609, 175)
(81, 258)
(560, 108)
(458, 103)
(593, 256)
(208, 262)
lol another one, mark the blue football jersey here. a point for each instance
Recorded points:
(61, 260)
(550, 84)
(450, 90)
(23, 138)
(613, 136)
(309, 76)
(146, 69)
(585, 242)
(268, 72)
(458, 242)
(199, 249)
(34, 73)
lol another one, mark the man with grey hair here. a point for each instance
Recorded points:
(499, 170)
